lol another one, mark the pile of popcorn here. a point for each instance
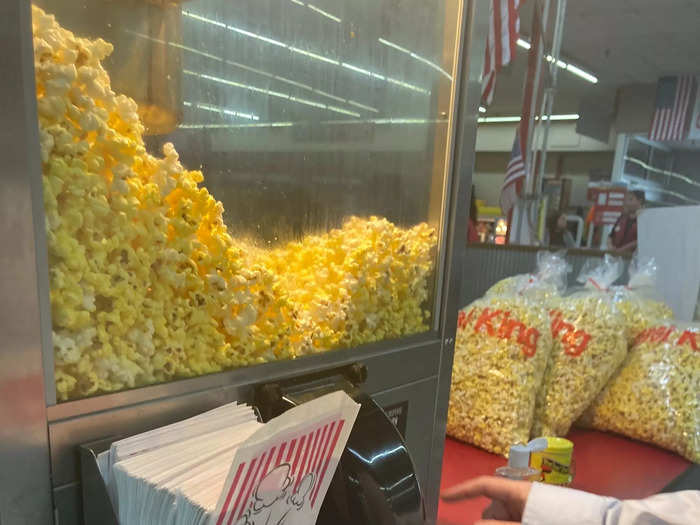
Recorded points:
(148, 285)
(364, 282)
(654, 397)
(501, 351)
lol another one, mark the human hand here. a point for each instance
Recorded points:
(508, 498)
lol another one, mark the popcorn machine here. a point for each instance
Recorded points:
(203, 196)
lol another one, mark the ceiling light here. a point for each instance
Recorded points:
(254, 70)
(572, 116)
(563, 65)
(270, 92)
(324, 13)
(217, 109)
(513, 119)
(493, 120)
(306, 53)
(415, 56)
(581, 73)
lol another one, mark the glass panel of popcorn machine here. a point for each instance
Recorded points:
(232, 183)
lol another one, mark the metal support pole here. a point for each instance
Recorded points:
(522, 210)
(551, 90)
(529, 188)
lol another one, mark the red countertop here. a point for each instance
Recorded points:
(606, 464)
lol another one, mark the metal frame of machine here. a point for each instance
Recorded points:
(39, 478)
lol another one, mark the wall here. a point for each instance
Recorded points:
(635, 107)
(490, 167)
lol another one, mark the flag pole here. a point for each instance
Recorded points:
(533, 105)
(523, 206)
(551, 91)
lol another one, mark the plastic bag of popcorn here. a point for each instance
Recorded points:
(655, 395)
(502, 348)
(639, 301)
(549, 279)
(589, 343)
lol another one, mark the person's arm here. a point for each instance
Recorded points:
(550, 505)
(514, 502)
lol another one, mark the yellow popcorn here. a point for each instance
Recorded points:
(637, 301)
(366, 281)
(148, 285)
(640, 312)
(502, 348)
(589, 344)
(654, 396)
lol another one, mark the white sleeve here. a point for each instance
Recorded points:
(551, 505)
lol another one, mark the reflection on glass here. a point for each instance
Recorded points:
(319, 134)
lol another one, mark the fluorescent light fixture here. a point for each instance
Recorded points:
(236, 126)
(254, 70)
(581, 73)
(304, 52)
(357, 69)
(415, 56)
(395, 46)
(233, 28)
(503, 120)
(523, 43)
(324, 13)
(270, 92)
(494, 120)
(298, 2)
(217, 109)
(563, 65)
(482, 109)
(314, 55)
(572, 116)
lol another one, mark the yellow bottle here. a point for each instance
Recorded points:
(555, 462)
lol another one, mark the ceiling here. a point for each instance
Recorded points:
(619, 41)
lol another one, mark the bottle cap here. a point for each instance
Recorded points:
(519, 456)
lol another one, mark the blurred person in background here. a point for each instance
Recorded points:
(525, 503)
(559, 234)
(623, 237)
(472, 233)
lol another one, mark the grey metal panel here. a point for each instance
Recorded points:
(66, 435)
(69, 505)
(468, 94)
(131, 412)
(420, 414)
(486, 264)
(25, 495)
(418, 356)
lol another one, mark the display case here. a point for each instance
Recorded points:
(203, 195)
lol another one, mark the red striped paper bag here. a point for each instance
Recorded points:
(282, 472)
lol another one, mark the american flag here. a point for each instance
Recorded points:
(504, 28)
(516, 171)
(673, 107)
(515, 176)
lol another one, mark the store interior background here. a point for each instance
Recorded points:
(627, 45)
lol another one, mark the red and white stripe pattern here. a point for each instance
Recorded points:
(504, 29)
(311, 451)
(515, 177)
(516, 171)
(674, 97)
